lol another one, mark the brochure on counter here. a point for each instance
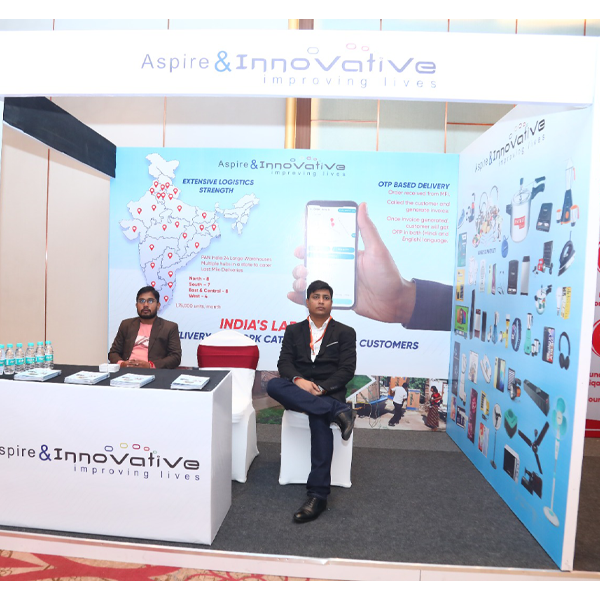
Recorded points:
(87, 377)
(189, 382)
(37, 375)
(130, 380)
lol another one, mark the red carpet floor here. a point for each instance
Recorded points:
(22, 566)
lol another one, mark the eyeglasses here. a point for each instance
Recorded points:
(150, 301)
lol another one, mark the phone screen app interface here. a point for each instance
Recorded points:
(331, 249)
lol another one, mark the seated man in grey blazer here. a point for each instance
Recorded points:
(317, 360)
(147, 341)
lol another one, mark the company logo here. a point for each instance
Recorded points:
(353, 66)
(225, 62)
(524, 136)
(304, 166)
(124, 461)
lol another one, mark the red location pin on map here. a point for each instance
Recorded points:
(155, 184)
(204, 215)
(201, 227)
(153, 283)
(184, 236)
(197, 244)
(139, 211)
(170, 273)
(179, 207)
(164, 227)
(171, 197)
(134, 228)
(166, 298)
(152, 190)
(167, 185)
(176, 223)
(162, 187)
(214, 227)
(151, 246)
(175, 191)
(154, 207)
(152, 265)
(170, 284)
(170, 255)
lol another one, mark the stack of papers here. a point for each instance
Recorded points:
(37, 375)
(86, 377)
(189, 382)
(132, 381)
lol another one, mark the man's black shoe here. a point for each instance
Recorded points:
(345, 420)
(310, 510)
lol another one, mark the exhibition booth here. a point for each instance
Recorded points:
(506, 232)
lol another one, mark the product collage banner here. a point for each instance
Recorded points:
(231, 237)
(518, 300)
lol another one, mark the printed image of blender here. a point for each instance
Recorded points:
(520, 208)
(569, 213)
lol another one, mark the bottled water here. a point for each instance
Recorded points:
(9, 365)
(19, 359)
(2, 359)
(49, 355)
(40, 355)
(30, 356)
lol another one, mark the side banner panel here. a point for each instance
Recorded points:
(227, 236)
(518, 308)
(592, 426)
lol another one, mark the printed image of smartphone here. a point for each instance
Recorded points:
(548, 347)
(331, 243)
(513, 276)
(501, 371)
(499, 368)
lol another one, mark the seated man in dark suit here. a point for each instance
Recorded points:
(147, 341)
(317, 360)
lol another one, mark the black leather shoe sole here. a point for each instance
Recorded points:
(345, 420)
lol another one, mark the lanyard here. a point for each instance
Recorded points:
(312, 343)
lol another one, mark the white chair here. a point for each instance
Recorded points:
(235, 352)
(295, 451)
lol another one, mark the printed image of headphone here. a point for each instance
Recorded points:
(563, 360)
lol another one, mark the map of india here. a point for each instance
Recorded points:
(171, 232)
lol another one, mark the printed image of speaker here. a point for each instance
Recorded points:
(513, 276)
(525, 276)
(564, 361)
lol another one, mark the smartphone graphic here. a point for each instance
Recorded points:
(513, 276)
(499, 369)
(331, 243)
(548, 347)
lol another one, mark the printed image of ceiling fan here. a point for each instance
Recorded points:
(536, 443)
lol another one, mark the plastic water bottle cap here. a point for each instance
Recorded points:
(9, 345)
(48, 342)
(1, 346)
(40, 343)
(30, 345)
(19, 345)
